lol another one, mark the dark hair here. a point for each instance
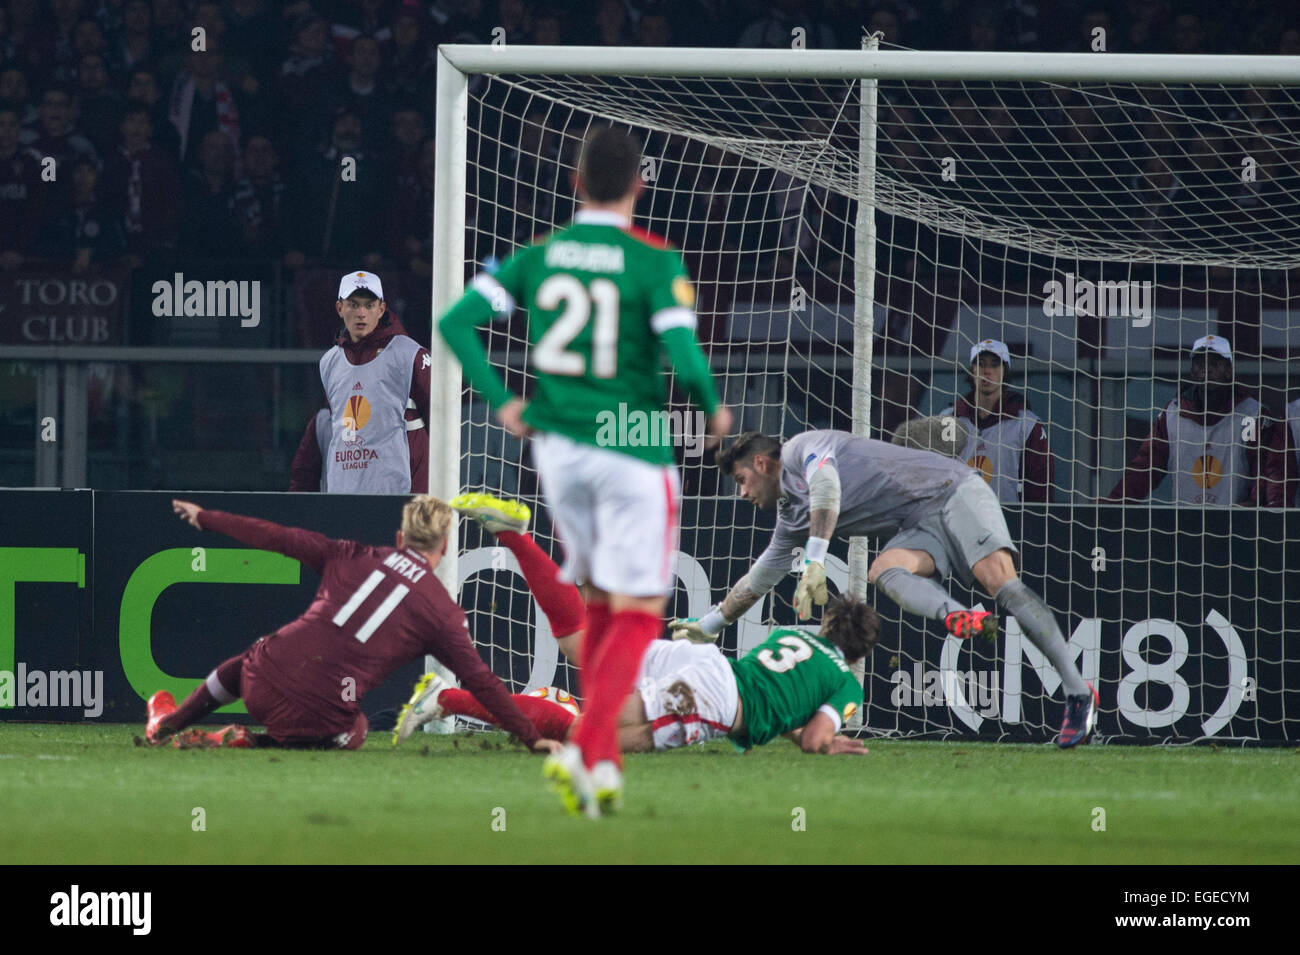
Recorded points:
(852, 625)
(744, 448)
(610, 163)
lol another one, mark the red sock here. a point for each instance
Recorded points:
(551, 719)
(593, 639)
(201, 702)
(559, 600)
(623, 646)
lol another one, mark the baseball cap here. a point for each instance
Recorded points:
(1213, 343)
(360, 280)
(990, 345)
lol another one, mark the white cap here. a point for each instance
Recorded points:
(1213, 343)
(990, 345)
(358, 280)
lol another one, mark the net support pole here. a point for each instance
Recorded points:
(864, 300)
(449, 191)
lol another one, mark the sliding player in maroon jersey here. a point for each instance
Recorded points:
(377, 609)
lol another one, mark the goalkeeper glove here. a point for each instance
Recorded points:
(812, 587)
(699, 630)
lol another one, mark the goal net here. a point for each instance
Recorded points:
(852, 237)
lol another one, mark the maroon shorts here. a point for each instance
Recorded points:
(288, 723)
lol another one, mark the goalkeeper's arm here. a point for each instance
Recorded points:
(771, 566)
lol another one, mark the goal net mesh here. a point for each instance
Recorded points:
(1096, 229)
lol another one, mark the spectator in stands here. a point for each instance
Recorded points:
(254, 32)
(15, 94)
(202, 101)
(209, 229)
(777, 28)
(654, 30)
(21, 194)
(548, 28)
(337, 220)
(359, 18)
(260, 200)
(1007, 442)
(410, 241)
(99, 105)
(88, 37)
(55, 136)
(1189, 34)
(87, 226)
(410, 70)
(376, 382)
(305, 72)
(64, 16)
(611, 23)
(142, 186)
(408, 135)
(1209, 440)
(361, 89)
(143, 88)
(134, 49)
(514, 18)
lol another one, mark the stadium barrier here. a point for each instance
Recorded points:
(1181, 649)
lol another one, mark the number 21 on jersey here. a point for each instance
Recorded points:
(576, 301)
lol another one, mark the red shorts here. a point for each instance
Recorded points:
(287, 722)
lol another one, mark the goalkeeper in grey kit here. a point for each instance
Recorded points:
(939, 516)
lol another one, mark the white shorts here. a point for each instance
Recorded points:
(689, 692)
(618, 517)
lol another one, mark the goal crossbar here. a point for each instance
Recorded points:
(876, 64)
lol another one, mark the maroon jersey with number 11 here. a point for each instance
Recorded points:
(377, 609)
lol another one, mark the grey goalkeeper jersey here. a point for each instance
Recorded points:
(883, 488)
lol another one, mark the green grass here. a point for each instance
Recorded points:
(86, 794)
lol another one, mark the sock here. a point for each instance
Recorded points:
(560, 601)
(630, 632)
(918, 595)
(551, 719)
(1039, 624)
(207, 696)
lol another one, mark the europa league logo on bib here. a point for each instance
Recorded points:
(1207, 471)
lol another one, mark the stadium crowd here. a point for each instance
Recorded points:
(161, 148)
(167, 153)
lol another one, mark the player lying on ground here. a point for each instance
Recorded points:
(795, 683)
(939, 516)
(377, 609)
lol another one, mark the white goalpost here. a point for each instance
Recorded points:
(855, 221)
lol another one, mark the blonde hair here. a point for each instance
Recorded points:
(425, 522)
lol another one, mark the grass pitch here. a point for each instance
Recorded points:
(87, 794)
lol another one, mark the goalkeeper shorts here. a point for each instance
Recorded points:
(962, 531)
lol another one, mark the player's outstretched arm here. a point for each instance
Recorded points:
(818, 736)
(706, 629)
(306, 547)
(771, 566)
